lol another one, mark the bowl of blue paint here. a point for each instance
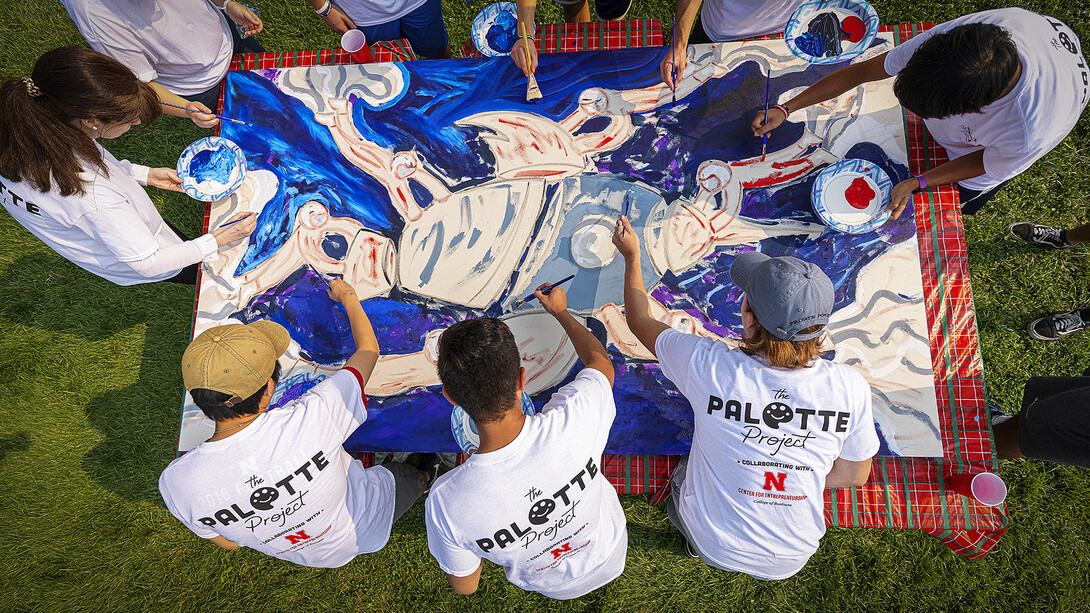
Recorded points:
(211, 168)
(465, 431)
(831, 32)
(495, 29)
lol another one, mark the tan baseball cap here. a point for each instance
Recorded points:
(235, 359)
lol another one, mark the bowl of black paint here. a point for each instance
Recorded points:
(831, 32)
(211, 168)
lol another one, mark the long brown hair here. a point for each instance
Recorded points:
(780, 353)
(38, 144)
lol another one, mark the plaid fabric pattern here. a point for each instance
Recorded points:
(902, 492)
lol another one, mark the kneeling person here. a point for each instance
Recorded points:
(773, 423)
(532, 498)
(280, 482)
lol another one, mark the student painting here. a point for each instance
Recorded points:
(997, 89)
(533, 498)
(70, 192)
(280, 482)
(774, 424)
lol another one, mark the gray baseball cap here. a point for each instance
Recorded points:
(785, 293)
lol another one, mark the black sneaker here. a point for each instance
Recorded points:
(429, 463)
(612, 10)
(1059, 325)
(689, 551)
(1038, 235)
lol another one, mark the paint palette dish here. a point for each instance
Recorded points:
(495, 29)
(830, 32)
(465, 431)
(212, 168)
(851, 196)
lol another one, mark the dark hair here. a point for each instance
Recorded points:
(958, 71)
(780, 353)
(38, 145)
(211, 403)
(479, 367)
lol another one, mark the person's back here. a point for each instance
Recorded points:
(533, 498)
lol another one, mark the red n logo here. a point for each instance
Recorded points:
(559, 550)
(775, 480)
(298, 536)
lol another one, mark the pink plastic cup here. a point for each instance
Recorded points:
(985, 488)
(355, 42)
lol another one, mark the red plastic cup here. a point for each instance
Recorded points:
(355, 42)
(985, 488)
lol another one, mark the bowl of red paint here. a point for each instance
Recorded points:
(851, 196)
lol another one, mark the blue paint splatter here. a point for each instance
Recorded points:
(213, 165)
(501, 36)
(822, 37)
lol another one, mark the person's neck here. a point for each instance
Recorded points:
(1014, 81)
(499, 433)
(231, 427)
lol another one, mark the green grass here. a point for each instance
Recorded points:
(91, 393)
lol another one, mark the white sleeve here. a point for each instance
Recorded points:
(453, 559)
(861, 442)
(197, 528)
(675, 350)
(176, 257)
(589, 400)
(344, 401)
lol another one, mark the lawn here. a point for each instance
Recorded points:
(91, 401)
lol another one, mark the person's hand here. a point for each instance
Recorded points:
(555, 302)
(522, 50)
(675, 60)
(339, 22)
(165, 178)
(230, 234)
(244, 17)
(775, 118)
(900, 196)
(201, 115)
(342, 292)
(629, 243)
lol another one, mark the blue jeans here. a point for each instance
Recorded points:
(423, 27)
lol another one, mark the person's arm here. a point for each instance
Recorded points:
(242, 15)
(676, 57)
(957, 169)
(526, 10)
(194, 111)
(846, 473)
(335, 18)
(828, 87)
(468, 584)
(637, 307)
(587, 347)
(366, 355)
(224, 542)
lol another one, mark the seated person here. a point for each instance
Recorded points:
(575, 11)
(182, 48)
(281, 482)
(774, 424)
(997, 89)
(1054, 424)
(420, 21)
(532, 498)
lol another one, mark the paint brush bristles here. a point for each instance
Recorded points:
(223, 117)
(544, 290)
(764, 138)
(533, 92)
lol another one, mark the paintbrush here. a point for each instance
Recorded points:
(320, 276)
(223, 117)
(533, 92)
(237, 220)
(764, 138)
(544, 290)
(673, 66)
(625, 211)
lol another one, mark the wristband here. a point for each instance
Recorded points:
(922, 180)
(783, 108)
(326, 8)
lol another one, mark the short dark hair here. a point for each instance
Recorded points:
(957, 72)
(479, 367)
(211, 402)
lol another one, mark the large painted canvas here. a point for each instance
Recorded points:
(440, 194)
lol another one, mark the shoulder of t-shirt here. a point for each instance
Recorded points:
(347, 381)
(675, 337)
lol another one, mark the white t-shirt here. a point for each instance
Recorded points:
(111, 225)
(183, 45)
(376, 12)
(764, 440)
(540, 506)
(284, 485)
(726, 20)
(1021, 127)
